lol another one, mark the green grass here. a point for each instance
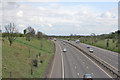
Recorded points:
(0, 57)
(16, 59)
(102, 44)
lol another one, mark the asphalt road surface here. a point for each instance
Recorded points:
(74, 64)
(106, 55)
(56, 71)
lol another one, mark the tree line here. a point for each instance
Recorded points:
(11, 33)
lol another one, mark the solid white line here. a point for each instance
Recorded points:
(95, 64)
(62, 64)
(53, 65)
(62, 67)
(105, 56)
(107, 62)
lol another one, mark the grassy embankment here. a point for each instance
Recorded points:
(102, 44)
(17, 58)
(0, 57)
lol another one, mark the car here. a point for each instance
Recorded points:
(54, 39)
(88, 46)
(91, 50)
(77, 41)
(87, 77)
(64, 50)
(63, 43)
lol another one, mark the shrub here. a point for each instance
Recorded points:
(35, 63)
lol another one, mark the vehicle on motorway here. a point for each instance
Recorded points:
(54, 39)
(87, 77)
(88, 46)
(91, 50)
(77, 41)
(64, 50)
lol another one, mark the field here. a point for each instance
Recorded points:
(17, 59)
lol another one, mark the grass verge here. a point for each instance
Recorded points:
(16, 60)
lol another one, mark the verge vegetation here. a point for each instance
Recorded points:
(18, 59)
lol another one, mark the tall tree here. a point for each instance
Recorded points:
(25, 31)
(12, 32)
(93, 37)
(29, 32)
(39, 35)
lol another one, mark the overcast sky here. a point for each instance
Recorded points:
(62, 18)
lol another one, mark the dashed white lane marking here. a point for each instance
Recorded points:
(62, 63)
(87, 67)
(95, 64)
(107, 63)
(75, 67)
(105, 56)
(78, 74)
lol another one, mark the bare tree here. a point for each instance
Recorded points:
(11, 32)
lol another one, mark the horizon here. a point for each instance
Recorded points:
(63, 18)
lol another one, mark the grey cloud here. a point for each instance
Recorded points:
(9, 5)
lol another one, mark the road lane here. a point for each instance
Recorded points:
(106, 55)
(56, 71)
(76, 64)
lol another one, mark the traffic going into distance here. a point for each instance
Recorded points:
(74, 60)
(59, 39)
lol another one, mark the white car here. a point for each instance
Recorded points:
(91, 50)
(64, 50)
(54, 39)
(77, 41)
(63, 43)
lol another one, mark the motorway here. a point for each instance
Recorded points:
(106, 55)
(74, 64)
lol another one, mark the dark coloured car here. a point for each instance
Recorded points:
(87, 77)
(88, 46)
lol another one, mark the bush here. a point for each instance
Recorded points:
(35, 63)
(41, 61)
